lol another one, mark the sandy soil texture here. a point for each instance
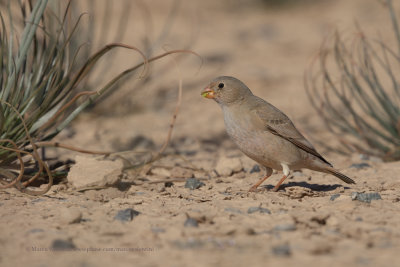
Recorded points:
(150, 216)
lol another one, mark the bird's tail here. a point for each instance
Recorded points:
(339, 175)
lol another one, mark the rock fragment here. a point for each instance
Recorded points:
(333, 197)
(255, 168)
(193, 183)
(282, 250)
(233, 210)
(90, 172)
(126, 215)
(258, 209)
(60, 244)
(365, 197)
(359, 166)
(191, 222)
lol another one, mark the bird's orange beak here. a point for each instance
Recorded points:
(208, 93)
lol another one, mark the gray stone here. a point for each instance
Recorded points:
(233, 210)
(193, 183)
(126, 215)
(282, 250)
(335, 196)
(191, 222)
(258, 209)
(359, 166)
(255, 168)
(365, 197)
(60, 244)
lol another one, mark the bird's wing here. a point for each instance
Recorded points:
(276, 122)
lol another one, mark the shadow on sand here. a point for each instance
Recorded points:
(314, 187)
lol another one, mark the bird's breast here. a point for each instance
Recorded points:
(260, 145)
(249, 139)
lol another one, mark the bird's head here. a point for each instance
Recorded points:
(226, 90)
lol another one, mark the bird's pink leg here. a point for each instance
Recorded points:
(268, 174)
(286, 172)
(276, 188)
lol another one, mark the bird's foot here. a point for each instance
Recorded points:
(275, 189)
(254, 189)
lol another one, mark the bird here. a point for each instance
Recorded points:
(264, 133)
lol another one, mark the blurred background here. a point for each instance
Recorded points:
(266, 44)
(269, 45)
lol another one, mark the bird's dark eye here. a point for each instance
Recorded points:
(221, 85)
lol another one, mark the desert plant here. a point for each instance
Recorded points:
(356, 90)
(39, 76)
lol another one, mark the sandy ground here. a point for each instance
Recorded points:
(312, 221)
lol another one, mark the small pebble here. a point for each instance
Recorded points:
(168, 184)
(365, 197)
(285, 227)
(335, 196)
(281, 250)
(233, 210)
(359, 166)
(126, 215)
(255, 168)
(258, 209)
(193, 183)
(60, 244)
(191, 222)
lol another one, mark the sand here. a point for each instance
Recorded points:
(314, 220)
